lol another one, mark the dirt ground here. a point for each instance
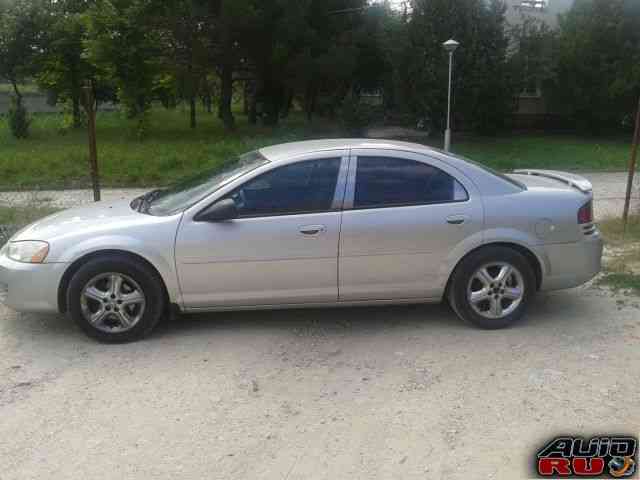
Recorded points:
(361, 393)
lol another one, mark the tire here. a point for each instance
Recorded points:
(478, 295)
(131, 306)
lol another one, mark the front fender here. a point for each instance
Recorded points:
(160, 256)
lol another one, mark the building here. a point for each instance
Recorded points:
(545, 10)
(533, 110)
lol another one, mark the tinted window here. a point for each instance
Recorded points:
(297, 188)
(385, 181)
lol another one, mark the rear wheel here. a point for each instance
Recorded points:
(116, 299)
(492, 287)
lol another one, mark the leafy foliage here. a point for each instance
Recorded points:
(122, 45)
(322, 56)
(597, 65)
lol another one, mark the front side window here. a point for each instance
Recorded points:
(388, 181)
(303, 187)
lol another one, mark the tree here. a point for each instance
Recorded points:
(63, 67)
(20, 28)
(122, 45)
(597, 64)
(184, 52)
(532, 53)
(483, 88)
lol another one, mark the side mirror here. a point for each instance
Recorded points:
(218, 212)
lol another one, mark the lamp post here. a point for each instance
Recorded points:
(450, 46)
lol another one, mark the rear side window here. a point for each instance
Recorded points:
(302, 187)
(388, 181)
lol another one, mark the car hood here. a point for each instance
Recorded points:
(96, 217)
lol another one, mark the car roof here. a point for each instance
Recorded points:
(487, 181)
(285, 151)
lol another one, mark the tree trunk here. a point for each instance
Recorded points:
(288, 102)
(245, 98)
(192, 107)
(76, 110)
(226, 95)
(75, 97)
(14, 84)
(208, 102)
(253, 107)
(310, 101)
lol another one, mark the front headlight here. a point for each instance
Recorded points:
(28, 251)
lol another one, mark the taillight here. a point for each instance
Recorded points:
(585, 214)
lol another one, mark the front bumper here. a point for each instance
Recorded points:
(571, 264)
(27, 287)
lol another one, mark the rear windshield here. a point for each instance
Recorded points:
(504, 177)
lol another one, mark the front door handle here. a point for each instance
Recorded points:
(312, 229)
(457, 219)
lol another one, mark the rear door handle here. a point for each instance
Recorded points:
(312, 229)
(457, 219)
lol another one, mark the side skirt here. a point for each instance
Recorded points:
(359, 303)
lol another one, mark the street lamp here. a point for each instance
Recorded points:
(450, 46)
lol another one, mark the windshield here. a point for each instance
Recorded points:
(191, 190)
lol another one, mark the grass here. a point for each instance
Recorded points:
(613, 230)
(622, 267)
(171, 150)
(622, 281)
(551, 151)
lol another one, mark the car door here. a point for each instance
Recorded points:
(403, 215)
(282, 248)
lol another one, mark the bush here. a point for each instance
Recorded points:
(356, 116)
(19, 121)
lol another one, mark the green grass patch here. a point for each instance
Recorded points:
(56, 158)
(171, 150)
(621, 281)
(559, 152)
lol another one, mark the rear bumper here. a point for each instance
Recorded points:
(29, 287)
(571, 264)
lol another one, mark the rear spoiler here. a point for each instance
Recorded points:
(575, 181)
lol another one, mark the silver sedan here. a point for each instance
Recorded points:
(318, 223)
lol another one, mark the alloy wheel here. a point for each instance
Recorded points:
(496, 290)
(112, 302)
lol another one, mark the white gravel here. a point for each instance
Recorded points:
(368, 393)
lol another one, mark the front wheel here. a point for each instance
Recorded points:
(116, 299)
(492, 287)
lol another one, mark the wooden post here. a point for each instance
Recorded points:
(89, 106)
(632, 169)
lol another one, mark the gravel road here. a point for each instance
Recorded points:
(609, 190)
(393, 392)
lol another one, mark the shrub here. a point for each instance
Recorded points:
(19, 121)
(356, 115)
